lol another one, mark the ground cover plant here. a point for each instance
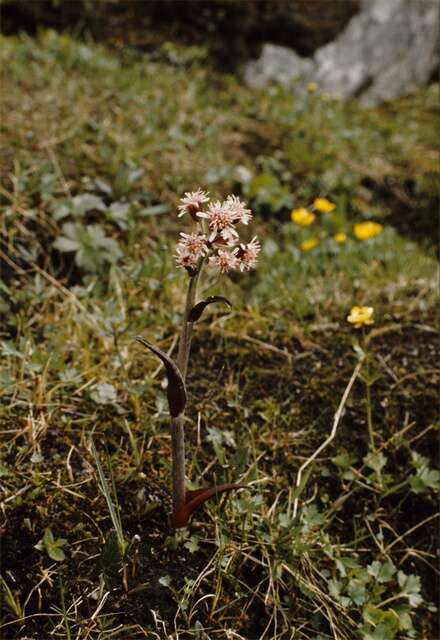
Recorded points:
(97, 150)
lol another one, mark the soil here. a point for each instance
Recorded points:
(309, 386)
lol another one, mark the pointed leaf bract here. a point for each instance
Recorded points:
(199, 308)
(194, 499)
(176, 390)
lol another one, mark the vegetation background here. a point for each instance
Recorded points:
(111, 110)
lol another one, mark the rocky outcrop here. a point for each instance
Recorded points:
(389, 48)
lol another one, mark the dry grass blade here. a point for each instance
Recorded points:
(330, 437)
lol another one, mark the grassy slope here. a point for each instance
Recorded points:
(266, 378)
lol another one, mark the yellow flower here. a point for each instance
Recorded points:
(312, 87)
(323, 205)
(360, 316)
(340, 237)
(302, 216)
(308, 245)
(367, 230)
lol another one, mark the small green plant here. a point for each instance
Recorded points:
(12, 602)
(215, 243)
(92, 247)
(52, 546)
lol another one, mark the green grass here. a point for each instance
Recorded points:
(107, 144)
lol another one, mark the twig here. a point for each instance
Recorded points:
(332, 433)
(17, 494)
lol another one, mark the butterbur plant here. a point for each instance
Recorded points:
(213, 243)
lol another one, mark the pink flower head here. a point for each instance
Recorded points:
(238, 210)
(247, 254)
(190, 249)
(227, 236)
(219, 218)
(192, 202)
(193, 243)
(224, 260)
(186, 260)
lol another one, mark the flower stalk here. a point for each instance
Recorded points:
(177, 424)
(186, 335)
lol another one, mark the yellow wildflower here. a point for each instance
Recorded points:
(340, 237)
(367, 230)
(312, 87)
(360, 316)
(323, 205)
(308, 245)
(302, 216)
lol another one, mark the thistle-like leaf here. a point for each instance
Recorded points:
(176, 391)
(199, 308)
(195, 499)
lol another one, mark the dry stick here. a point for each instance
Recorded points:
(177, 427)
(332, 434)
(420, 524)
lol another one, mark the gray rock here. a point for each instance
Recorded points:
(389, 48)
(277, 64)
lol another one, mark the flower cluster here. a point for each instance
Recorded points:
(216, 237)
(305, 217)
(190, 249)
(192, 202)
